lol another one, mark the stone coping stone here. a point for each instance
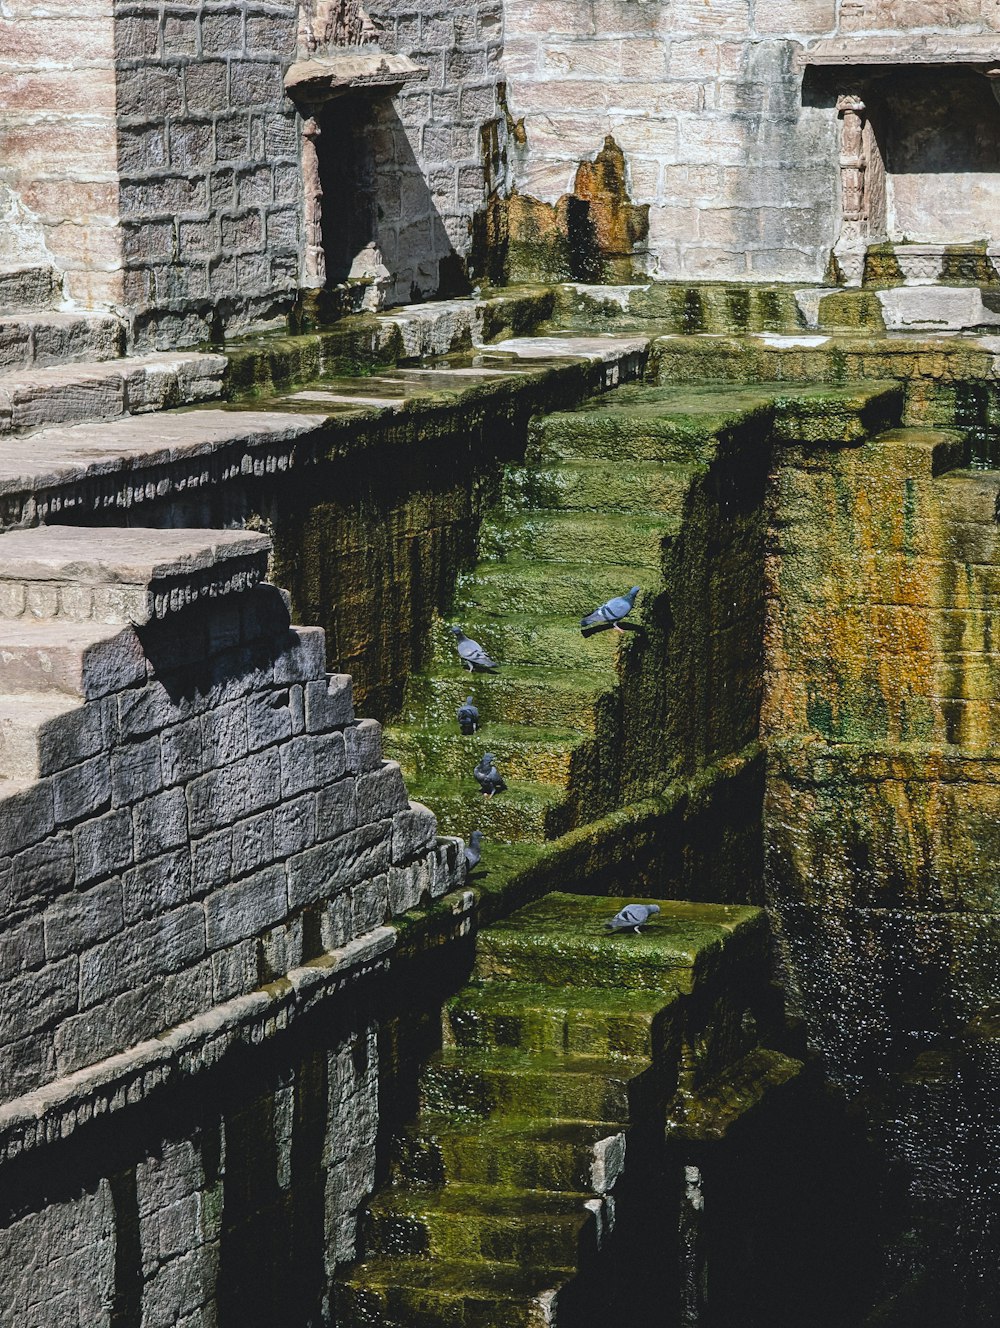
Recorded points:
(123, 574)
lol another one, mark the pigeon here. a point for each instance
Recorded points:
(611, 613)
(471, 653)
(489, 777)
(473, 852)
(468, 717)
(632, 917)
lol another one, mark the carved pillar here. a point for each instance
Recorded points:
(315, 259)
(853, 165)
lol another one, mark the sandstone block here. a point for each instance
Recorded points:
(305, 658)
(153, 948)
(42, 871)
(114, 1026)
(22, 948)
(158, 886)
(413, 831)
(283, 947)
(335, 866)
(246, 909)
(103, 846)
(381, 793)
(235, 970)
(136, 772)
(364, 746)
(253, 843)
(295, 826)
(410, 885)
(160, 823)
(224, 796)
(330, 703)
(212, 860)
(181, 755)
(26, 817)
(74, 922)
(224, 734)
(269, 718)
(310, 762)
(370, 906)
(336, 809)
(35, 1000)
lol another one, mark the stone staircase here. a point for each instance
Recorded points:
(603, 501)
(546, 1101)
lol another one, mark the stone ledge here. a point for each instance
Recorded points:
(322, 78)
(56, 1110)
(902, 49)
(123, 575)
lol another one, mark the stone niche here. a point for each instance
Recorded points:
(919, 152)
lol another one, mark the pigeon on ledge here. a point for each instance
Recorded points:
(471, 653)
(612, 611)
(473, 852)
(468, 717)
(632, 917)
(488, 776)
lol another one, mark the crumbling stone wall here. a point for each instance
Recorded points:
(739, 169)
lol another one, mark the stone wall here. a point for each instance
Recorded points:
(440, 146)
(210, 817)
(739, 166)
(58, 155)
(211, 187)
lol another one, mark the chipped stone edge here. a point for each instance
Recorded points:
(57, 1110)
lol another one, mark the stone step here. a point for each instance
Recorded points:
(122, 465)
(538, 698)
(419, 1293)
(704, 307)
(524, 1227)
(41, 339)
(641, 488)
(524, 813)
(32, 740)
(565, 537)
(536, 1018)
(563, 936)
(35, 398)
(534, 756)
(538, 640)
(519, 585)
(87, 660)
(27, 287)
(522, 1153)
(504, 1082)
(121, 575)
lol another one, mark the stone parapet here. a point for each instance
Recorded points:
(123, 575)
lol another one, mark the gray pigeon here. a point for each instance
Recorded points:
(632, 917)
(612, 611)
(473, 851)
(488, 776)
(471, 653)
(468, 717)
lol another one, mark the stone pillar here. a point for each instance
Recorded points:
(850, 249)
(315, 259)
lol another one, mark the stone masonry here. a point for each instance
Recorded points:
(189, 809)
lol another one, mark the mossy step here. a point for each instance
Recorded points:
(561, 940)
(522, 585)
(551, 1228)
(552, 536)
(690, 309)
(639, 487)
(821, 415)
(516, 1152)
(473, 1083)
(543, 640)
(538, 698)
(536, 756)
(432, 1293)
(525, 812)
(534, 1017)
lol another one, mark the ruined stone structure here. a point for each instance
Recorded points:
(380, 318)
